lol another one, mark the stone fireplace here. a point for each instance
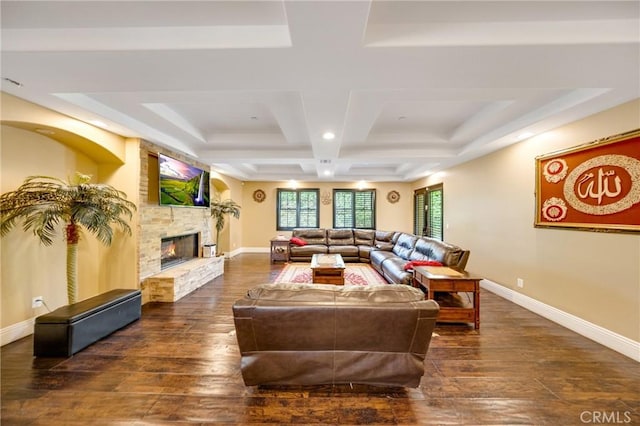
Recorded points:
(178, 249)
(169, 270)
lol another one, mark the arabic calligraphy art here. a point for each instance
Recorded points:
(595, 186)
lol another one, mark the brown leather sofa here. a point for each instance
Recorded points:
(387, 251)
(354, 245)
(316, 243)
(310, 334)
(390, 263)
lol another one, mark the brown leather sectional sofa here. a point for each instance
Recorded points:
(354, 245)
(387, 251)
(310, 334)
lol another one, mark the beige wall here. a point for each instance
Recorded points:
(259, 219)
(489, 209)
(28, 269)
(124, 248)
(226, 187)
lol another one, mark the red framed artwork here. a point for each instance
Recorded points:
(593, 187)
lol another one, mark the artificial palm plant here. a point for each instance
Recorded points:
(43, 202)
(219, 209)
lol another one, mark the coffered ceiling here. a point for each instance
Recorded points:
(408, 88)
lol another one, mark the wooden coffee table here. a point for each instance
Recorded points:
(446, 280)
(327, 269)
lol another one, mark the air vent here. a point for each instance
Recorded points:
(12, 81)
(325, 161)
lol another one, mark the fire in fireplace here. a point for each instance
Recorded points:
(178, 249)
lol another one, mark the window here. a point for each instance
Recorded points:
(354, 208)
(297, 208)
(419, 208)
(428, 208)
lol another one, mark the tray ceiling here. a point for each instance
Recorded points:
(408, 88)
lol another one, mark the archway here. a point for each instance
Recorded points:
(221, 191)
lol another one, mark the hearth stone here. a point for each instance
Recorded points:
(173, 284)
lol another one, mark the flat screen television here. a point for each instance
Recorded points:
(182, 184)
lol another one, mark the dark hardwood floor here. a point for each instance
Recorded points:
(180, 365)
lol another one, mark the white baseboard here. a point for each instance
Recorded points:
(254, 250)
(247, 250)
(16, 331)
(589, 330)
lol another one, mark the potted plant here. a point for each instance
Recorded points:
(219, 209)
(42, 202)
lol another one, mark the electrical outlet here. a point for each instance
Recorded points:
(37, 301)
(520, 282)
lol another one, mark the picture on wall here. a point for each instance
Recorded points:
(182, 184)
(594, 187)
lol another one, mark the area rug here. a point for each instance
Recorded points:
(354, 274)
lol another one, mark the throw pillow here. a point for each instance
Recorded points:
(298, 241)
(413, 263)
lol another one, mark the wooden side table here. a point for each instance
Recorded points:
(446, 280)
(279, 250)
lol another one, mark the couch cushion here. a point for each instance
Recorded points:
(391, 293)
(340, 237)
(431, 249)
(379, 256)
(404, 245)
(311, 235)
(364, 252)
(307, 250)
(384, 240)
(393, 270)
(344, 251)
(364, 237)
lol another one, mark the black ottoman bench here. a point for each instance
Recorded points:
(71, 328)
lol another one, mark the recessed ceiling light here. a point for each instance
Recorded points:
(327, 136)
